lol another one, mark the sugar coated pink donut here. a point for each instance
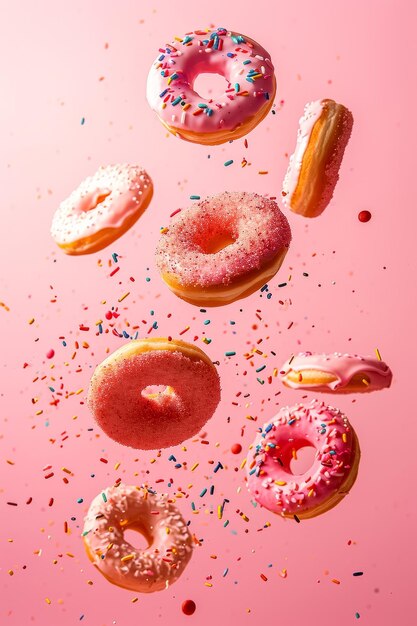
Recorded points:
(249, 90)
(335, 373)
(101, 209)
(223, 248)
(154, 568)
(130, 412)
(325, 483)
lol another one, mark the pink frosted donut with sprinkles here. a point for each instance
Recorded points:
(154, 393)
(329, 479)
(335, 373)
(223, 248)
(101, 209)
(248, 96)
(122, 508)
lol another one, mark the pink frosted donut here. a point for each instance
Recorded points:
(120, 508)
(223, 248)
(248, 96)
(101, 209)
(335, 373)
(130, 412)
(325, 483)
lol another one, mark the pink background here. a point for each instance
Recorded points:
(55, 69)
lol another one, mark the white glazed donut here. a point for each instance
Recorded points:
(156, 518)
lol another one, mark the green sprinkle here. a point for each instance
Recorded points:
(82, 121)
(195, 197)
(231, 353)
(104, 497)
(227, 163)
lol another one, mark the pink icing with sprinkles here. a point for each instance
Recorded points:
(245, 65)
(343, 366)
(257, 228)
(270, 480)
(104, 200)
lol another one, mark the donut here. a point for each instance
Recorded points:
(249, 91)
(313, 169)
(223, 248)
(117, 509)
(101, 209)
(122, 399)
(335, 373)
(332, 474)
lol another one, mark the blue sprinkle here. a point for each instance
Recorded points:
(206, 322)
(226, 571)
(247, 62)
(218, 466)
(172, 458)
(291, 421)
(269, 427)
(231, 55)
(82, 121)
(178, 465)
(52, 389)
(64, 343)
(193, 506)
(260, 369)
(115, 257)
(161, 95)
(176, 101)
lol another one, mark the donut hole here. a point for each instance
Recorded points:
(217, 242)
(210, 86)
(302, 459)
(156, 392)
(137, 538)
(93, 199)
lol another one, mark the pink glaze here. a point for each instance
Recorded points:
(144, 571)
(134, 419)
(249, 85)
(259, 230)
(312, 113)
(317, 425)
(343, 366)
(105, 200)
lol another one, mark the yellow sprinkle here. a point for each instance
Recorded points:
(378, 355)
(311, 493)
(89, 582)
(77, 393)
(163, 105)
(163, 230)
(32, 319)
(128, 557)
(124, 296)
(281, 483)
(117, 465)
(9, 462)
(208, 584)
(275, 372)
(344, 438)
(245, 517)
(186, 106)
(294, 454)
(69, 554)
(10, 572)
(47, 600)
(152, 461)
(99, 322)
(220, 511)
(167, 530)
(38, 412)
(66, 470)
(365, 382)
(135, 600)
(242, 465)
(195, 466)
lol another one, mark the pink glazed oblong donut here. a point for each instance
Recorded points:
(249, 91)
(335, 373)
(101, 209)
(117, 509)
(223, 248)
(325, 483)
(126, 407)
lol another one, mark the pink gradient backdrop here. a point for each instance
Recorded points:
(360, 294)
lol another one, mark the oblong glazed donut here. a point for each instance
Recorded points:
(325, 483)
(125, 406)
(248, 96)
(313, 169)
(121, 508)
(335, 373)
(101, 209)
(223, 248)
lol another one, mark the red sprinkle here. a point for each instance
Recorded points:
(188, 607)
(108, 315)
(236, 448)
(364, 216)
(50, 354)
